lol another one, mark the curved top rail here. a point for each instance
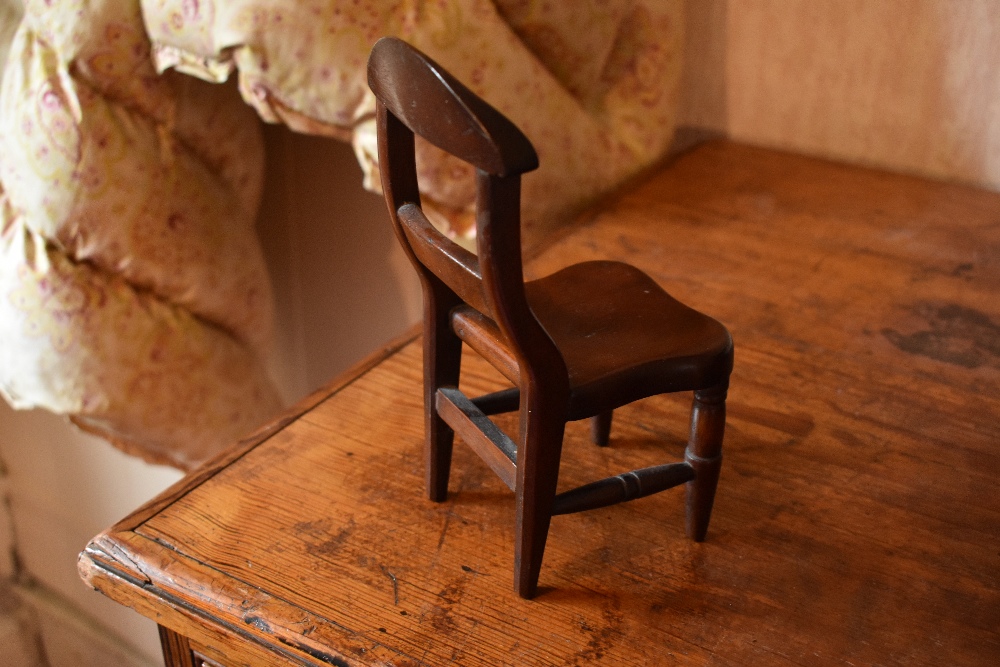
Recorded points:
(435, 105)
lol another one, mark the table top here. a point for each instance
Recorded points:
(857, 518)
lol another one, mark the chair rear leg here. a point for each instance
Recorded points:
(537, 475)
(704, 454)
(442, 363)
(600, 428)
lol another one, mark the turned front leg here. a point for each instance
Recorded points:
(704, 454)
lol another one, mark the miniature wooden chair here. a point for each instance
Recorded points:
(576, 344)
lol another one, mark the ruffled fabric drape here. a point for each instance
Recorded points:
(133, 291)
(592, 83)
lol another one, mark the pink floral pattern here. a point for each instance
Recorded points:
(133, 293)
(592, 83)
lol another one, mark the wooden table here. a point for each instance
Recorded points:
(857, 520)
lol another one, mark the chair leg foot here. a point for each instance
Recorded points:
(600, 428)
(442, 363)
(537, 477)
(533, 519)
(440, 438)
(704, 454)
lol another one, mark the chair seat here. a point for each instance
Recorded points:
(621, 336)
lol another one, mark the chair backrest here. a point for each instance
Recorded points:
(415, 95)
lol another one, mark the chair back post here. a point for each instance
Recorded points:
(440, 263)
(498, 238)
(416, 96)
(397, 170)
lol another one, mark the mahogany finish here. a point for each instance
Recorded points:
(576, 344)
(859, 521)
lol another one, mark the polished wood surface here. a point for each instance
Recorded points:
(576, 344)
(857, 520)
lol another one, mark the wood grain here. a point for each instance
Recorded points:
(857, 519)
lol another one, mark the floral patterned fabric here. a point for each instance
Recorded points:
(133, 292)
(592, 82)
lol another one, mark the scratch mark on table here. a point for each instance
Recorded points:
(395, 584)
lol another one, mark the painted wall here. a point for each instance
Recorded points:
(64, 487)
(343, 286)
(909, 85)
